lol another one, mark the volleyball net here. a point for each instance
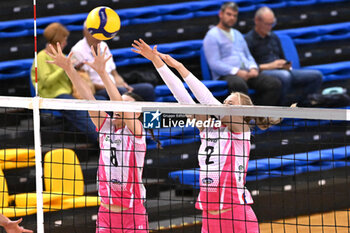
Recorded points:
(297, 174)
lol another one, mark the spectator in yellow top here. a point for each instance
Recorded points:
(54, 83)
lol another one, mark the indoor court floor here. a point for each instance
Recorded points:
(321, 222)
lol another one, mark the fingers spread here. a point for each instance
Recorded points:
(19, 220)
(70, 55)
(109, 57)
(53, 50)
(93, 51)
(155, 48)
(59, 50)
(136, 51)
(50, 54)
(137, 42)
(98, 49)
(135, 46)
(104, 52)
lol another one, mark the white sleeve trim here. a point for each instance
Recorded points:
(200, 91)
(175, 85)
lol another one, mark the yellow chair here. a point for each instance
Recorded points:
(5, 208)
(64, 184)
(16, 158)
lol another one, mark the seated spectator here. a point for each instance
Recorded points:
(54, 83)
(266, 48)
(82, 53)
(229, 59)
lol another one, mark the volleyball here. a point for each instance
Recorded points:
(103, 23)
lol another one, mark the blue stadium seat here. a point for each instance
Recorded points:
(206, 74)
(15, 69)
(218, 89)
(330, 1)
(339, 31)
(305, 35)
(289, 50)
(271, 3)
(301, 2)
(315, 34)
(333, 71)
(144, 15)
(179, 50)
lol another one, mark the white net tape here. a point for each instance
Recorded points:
(284, 112)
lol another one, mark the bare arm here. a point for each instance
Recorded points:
(200, 91)
(84, 90)
(171, 80)
(204, 95)
(99, 65)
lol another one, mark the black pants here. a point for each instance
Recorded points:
(268, 89)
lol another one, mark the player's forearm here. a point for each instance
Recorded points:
(112, 90)
(175, 85)
(183, 71)
(81, 86)
(157, 62)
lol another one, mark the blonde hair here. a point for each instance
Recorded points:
(261, 122)
(55, 32)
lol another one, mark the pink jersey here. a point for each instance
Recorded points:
(223, 159)
(120, 166)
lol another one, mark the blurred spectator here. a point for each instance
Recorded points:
(82, 52)
(54, 83)
(266, 48)
(229, 59)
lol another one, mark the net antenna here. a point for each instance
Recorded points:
(35, 51)
(37, 138)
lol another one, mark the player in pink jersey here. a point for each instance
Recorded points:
(123, 149)
(224, 152)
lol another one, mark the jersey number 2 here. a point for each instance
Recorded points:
(209, 150)
(114, 160)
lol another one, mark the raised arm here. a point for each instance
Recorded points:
(82, 87)
(203, 94)
(200, 91)
(99, 65)
(171, 80)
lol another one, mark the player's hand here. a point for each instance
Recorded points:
(100, 60)
(13, 227)
(59, 58)
(143, 49)
(169, 60)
